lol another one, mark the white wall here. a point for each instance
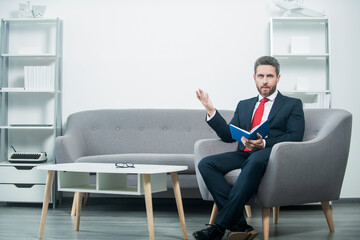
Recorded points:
(156, 53)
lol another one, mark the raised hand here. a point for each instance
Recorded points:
(205, 100)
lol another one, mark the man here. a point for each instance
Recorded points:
(286, 121)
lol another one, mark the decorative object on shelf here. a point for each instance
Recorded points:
(291, 7)
(26, 157)
(38, 11)
(25, 10)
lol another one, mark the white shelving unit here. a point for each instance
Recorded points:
(302, 46)
(30, 117)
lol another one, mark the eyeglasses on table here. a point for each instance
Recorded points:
(125, 165)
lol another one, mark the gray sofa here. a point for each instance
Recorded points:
(147, 136)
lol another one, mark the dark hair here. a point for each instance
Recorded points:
(267, 60)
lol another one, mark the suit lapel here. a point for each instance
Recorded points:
(278, 103)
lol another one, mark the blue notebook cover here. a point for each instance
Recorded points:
(237, 133)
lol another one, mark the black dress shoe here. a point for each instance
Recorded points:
(242, 231)
(212, 232)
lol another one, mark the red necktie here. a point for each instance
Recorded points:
(257, 116)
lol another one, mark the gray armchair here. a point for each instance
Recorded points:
(297, 172)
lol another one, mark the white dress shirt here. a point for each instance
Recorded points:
(267, 107)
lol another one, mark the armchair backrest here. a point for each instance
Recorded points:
(321, 121)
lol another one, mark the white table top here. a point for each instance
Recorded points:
(110, 168)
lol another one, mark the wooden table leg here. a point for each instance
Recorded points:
(74, 204)
(179, 204)
(86, 198)
(49, 183)
(78, 210)
(149, 206)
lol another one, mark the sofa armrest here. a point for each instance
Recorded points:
(208, 147)
(68, 148)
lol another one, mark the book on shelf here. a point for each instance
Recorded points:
(237, 133)
(39, 78)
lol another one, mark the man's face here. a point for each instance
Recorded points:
(266, 80)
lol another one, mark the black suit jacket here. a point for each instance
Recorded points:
(286, 120)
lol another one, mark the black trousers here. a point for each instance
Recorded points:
(231, 200)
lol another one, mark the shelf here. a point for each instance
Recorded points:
(45, 127)
(30, 20)
(43, 55)
(307, 55)
(301, 19)
(22, 90)
(81, 188)
(9, 164)
(306, 92)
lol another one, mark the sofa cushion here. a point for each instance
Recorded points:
(145, 158)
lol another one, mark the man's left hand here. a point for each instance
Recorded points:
(253, 145)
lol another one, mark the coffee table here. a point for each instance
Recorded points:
(75, 177)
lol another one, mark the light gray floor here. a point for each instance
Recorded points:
(106, 218)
